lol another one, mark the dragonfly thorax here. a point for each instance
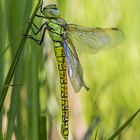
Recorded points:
(51, 11)
(56, 29)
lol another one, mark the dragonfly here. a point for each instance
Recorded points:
(67, 39)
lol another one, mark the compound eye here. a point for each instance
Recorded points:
(51, 11)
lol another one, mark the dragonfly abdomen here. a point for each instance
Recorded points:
(61, 62)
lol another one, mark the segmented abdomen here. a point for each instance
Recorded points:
(61, 62)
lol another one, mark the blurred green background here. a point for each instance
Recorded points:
(113, 76)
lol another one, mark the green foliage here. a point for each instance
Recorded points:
(113, 75)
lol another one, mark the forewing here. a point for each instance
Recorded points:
(93, 40)
(75, 71)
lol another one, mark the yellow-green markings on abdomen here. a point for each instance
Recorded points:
(61, 62)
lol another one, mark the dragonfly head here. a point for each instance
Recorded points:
(51, 11)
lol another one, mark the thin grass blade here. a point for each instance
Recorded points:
(124, 125)
(16, 59)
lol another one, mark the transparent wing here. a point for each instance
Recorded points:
(93, 40)
(75, 71)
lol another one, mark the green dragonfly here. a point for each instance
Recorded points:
(65, 37)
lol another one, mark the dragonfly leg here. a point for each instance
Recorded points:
(32, 23)
(38, 28)
(37, 41)
(41, 6)
(40, 16)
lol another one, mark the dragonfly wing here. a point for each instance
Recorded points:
(93, 40)
(75, 71)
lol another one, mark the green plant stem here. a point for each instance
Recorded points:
(16, 58)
